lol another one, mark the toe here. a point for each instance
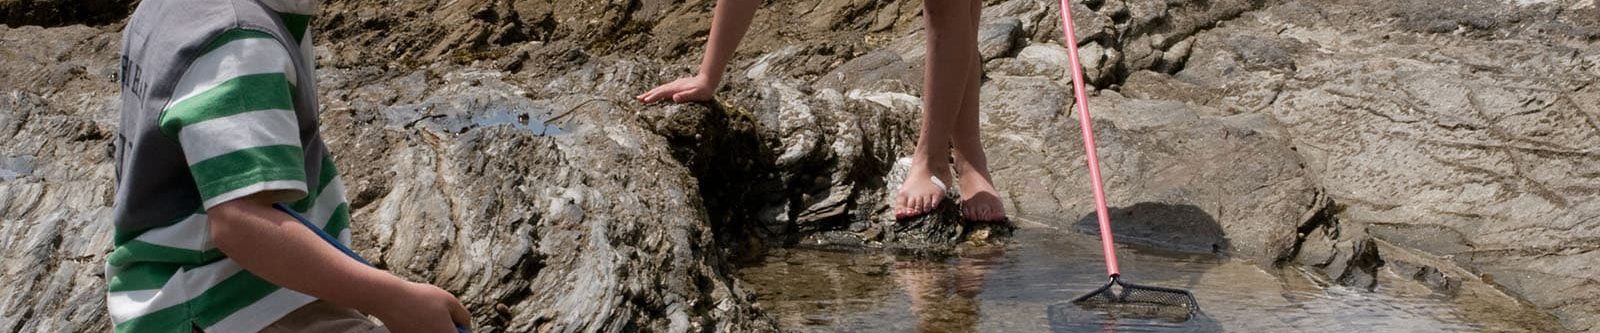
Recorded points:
(900, 204)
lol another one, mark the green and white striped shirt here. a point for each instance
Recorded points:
(232, 113)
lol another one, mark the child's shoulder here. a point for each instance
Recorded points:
(163, 36)
(168, 22)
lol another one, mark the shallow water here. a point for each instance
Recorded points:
(464, 113)
(13, 167)
(534, 122)
(1026, 285)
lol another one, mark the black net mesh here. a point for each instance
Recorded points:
(1125, 300)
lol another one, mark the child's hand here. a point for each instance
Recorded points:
(689, 89)
(424, 308)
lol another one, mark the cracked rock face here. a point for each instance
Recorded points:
(1487, 158)
(493, 148)
(527, 213)
(57, 116)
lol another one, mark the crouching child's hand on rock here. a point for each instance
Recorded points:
(423, 308)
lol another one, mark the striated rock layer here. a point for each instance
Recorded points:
(493, 148)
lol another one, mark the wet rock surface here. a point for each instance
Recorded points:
(493, 148)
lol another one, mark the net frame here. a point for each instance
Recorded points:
(1130, 300)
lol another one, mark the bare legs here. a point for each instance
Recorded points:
(979, 199)
(950, 117)
(951, 41)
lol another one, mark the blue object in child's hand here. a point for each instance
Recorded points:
(335, 242)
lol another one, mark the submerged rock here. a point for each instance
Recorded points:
(493, 147)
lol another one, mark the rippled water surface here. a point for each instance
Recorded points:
(1025, 286)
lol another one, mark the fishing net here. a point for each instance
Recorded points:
(1132, 301)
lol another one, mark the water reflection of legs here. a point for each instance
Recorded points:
(944, 294)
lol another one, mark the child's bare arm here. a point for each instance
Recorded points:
(276, 247)
(728, 25)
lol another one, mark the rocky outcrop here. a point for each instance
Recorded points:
(513, 198)
(58, 112)
(492, 147)
(1173, 172)
(1485, 159)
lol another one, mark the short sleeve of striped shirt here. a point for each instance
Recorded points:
(233, 114)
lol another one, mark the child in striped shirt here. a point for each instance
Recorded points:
(218, 124)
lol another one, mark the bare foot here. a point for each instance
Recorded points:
(921, 192)
(979, 199)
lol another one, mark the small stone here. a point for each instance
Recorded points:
(859, 226)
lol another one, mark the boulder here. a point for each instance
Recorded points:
(518, 205)
(1442, 148)
(1180, 180)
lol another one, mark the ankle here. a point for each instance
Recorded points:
(931, 166)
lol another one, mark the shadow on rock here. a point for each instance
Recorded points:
(57, 13)
(1183, 228)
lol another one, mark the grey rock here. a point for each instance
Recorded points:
(1046, 59)
(1355, 262)
(1460, 155)
(1136, 35)
(1411, 269)
(1175, 227)
(13, 167)
(941, 232)
(860, 226)
(493, 147)
(525, 211)
(999, 37)
(1432, 277)
(55, 177)
(881, 70)
(1342, 251)
(1262, 53)
(1155, 154)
